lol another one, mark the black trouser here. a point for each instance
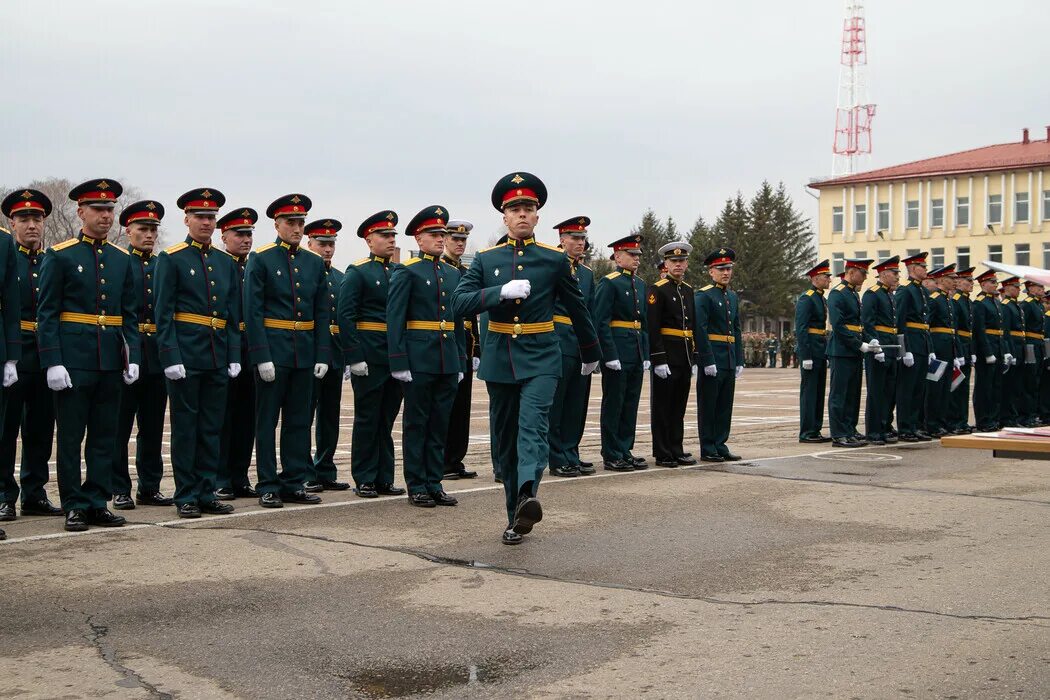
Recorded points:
(844, 399)
(1044, 392)
(882, 384)
(326, 402)
(987, 394)
(811, 395)
(377, 400)
(459, 426)
(1012, 393)
(959, 412)
(90, 407)
(668, 399)
(1032, 374)
(143, 403)
(30, 408)
(238, 431)
(714, 400)
(287, 397)
(911, 395)
(198, 405)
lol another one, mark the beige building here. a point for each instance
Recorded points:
(990, 203)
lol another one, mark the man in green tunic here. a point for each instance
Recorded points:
(959, 412)
(811, 336)
(990, 346)
(913, 324)
(1013, 346)
(1032, 359)
(879, 318)
(845, 350)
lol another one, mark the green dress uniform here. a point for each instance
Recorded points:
(942, 337)
(912, 323)
(1013, 379)
(959, 403)
(521, 358)
(990, 346)
(879, 318)
(845, 355)
(622, 324)
(363, 333)
(144, 402)
(1044, 381)
(1032, 309)
(718, 343)
(286, 311)
(459, 421)
(87, 322)
(811, 337)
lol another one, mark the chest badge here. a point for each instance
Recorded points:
(652, 298)
(495, 273)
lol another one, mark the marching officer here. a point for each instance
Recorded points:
(145, 401)
(363, 334)
(959, 403)
(1013, 348)
(198, 326)
(846, 347)
(913, 324)
(87, 316)
(672, 352)
(623, 329)
(238, 429)
(518, 283)
(328, 391)
(879, 318)
(286, 311)
(990, 346)
(1044, 381)
(720, 352)
(29, 407)
(1032, 308)
(945, 347)
(569, 409)
(459, 421)
(811, 337)
(427, 354)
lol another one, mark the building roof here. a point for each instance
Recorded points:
(1004, 156)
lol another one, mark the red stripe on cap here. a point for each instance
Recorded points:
(95, 197)
(203, 204)
(379, 226)
(290, 210)
(573, 227)
(520, 193)
(30, 206)
(822, 270)
(236, 223)
(430, 223)
(322, 232)
(720, 261)
(856, 266)
(140, 215)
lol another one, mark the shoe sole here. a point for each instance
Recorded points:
(109, 524)
(272, 505)
(527, 515)
(77, 528)
(511, 543)
(438, 503)
(189, 516)
(423, 505)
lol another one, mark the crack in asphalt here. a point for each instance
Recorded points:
(525, 573)
(96, 637)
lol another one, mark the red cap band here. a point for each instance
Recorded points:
(429, 223)
(379, 226)
(520, 193)
(149, 216)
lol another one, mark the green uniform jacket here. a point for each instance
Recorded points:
(718, 314)
(362, 300)
(287, 284)
(334, 282)
(471, 329)
(419, 295)
(988, 315)
(143, 270)
(913, 307)
(846, 325)
(671, 310)
(204, 282)
(28, 274)
(240, 263)
(506, 358)
(942, 316)
(879, 318)
(570, 344)
(91, 278)
(964, 324)
(1032, 309)
(621, 319)
(11, 345)
(811, 311)
(1013, 324)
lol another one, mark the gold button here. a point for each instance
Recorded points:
(521, 252)
(442, 294)
(296, 284)
(149, 276)
(516, 319)
(517, 301)
(149, 306)
(295, 269)
(521, 267)
(103, 280)
(214, 313)
(213, 283)
(103, 297)
(444, 335)
(298, 300)
(441, 325)
(442, 308)
(214, 298)
(209, 268)
(299, 313)
(102, 266)
(517, 329)
(34, 274)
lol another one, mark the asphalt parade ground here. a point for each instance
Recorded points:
(895, 571)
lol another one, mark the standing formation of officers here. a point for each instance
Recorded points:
(231, 342)
(920, 343)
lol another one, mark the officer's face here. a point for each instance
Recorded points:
(1011, 291)
(573, 245)
(238, 241)
(947, 284)
(721, 275)
(521, 219)
(855, 276)
(28, 229)
(431, 242)
(455, 246)
(628, 261)
(96, 221)
(143, 236)
(289, 230)
(326, 249)
(677, 268)
(917, 272)
(964, 285)
(822, 281)
(200, 226)
(890, 278)
(382, 244)
(988, 286)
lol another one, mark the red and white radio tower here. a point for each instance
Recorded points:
(854, 113)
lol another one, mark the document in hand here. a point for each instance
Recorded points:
(937, 368)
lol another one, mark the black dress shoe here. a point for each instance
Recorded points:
(687, 454)
(335, 485)
(923, 436)
(3, 536)
(40, 507)
(122, 501)
(224, 494)
(461, 473)
(103, 518)
(891, 438)
(527, 514)
(216, 508)
(421, 500)
(891, 434)
(686, 460)
(667, 463)
(564, 470)
(7, 511)
(245, 491)
(937, 434)
(876, 441)
(76, 520)
(585, 468)
(188, 510)
(367, 491)
(815, 440)
(711, 458)
(908, 437)
(497, 478)
(153, 499)
(846, 442)
(511, 537)
(313, 487)
(389, 490)
(730, 457)
(300, 496)
(637, 461)
(271, 500)
(443, 499)
(618, 465)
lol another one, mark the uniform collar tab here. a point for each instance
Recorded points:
(93, 242)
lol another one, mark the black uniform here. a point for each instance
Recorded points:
(672, 323)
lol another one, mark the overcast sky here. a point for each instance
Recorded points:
(617, 106)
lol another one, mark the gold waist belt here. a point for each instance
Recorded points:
(942, 329)
(516, 329)
(886, 329)
(147, 328)
(721, 338)
(918, 326)
(429, 325)
(200, 320)
(370, 326)
(634, 325)
(817, 331)
(288, 325)
(993, 331)
(964, 334)
(91, 320)
(1017, 334)
(855, 329)
(676, 332)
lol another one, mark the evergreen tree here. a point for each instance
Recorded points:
(654, 235)
(702, 238)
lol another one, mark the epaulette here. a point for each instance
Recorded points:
(809, 292)
(498, 245)
(4, 230)
(548, 246)
(935, 295)
(265, 248)
(117, 247)
(65, 244)
(840, 285)
(704, 289)
(446, 262)
(613, 275)
(411, 261)
(1006, 301)
(1046, 313)
(661, 282)
(905, 283)
(362, 261)
(686, 284)
(176, 248)
(957, 296)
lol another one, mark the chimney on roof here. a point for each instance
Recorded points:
(1024, 136)
(1048, 134)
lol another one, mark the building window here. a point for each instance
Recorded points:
(1020, 207)
(838, 263)
(962, 211)
(1046, 256)
(883, 222)
(1046, 204)
(995, 209)
(883, 254)
(962, 257)
(995, 253)
(836, 219)
(937, 213)
(860, 217)
(912, 214)
(1022, 254)
(912, 251)
(937, 257)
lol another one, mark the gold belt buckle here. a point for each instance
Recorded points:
(215, 323)
(517, 330)
(297, 325)
(637, 325)
(102, 319)
(441, 325)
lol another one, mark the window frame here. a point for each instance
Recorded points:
(837, 213)
(936, 209)
(909, 210)
(993, 202)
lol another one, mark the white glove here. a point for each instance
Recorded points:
(10, 373)
(347, 374)
(870, 346)
(475, 362)
(234, 369)
(267, 372)
(807, 364)
(864, 347)
(694, 370)
(874, 342)
(359, 369)
(460, 378)
(973, 359)
(739, 371)
(646, 364)
(711, 370)
(588, 367)
(320, 369)
(58, 378)
(402, 375)
(1013, 360)
(130, 374)
(1008, 359)
(932, 357)
(662, 371)
(614, 364)
(515, 289)
(880, 357)
(990, 360)
(909, 360)
(175, 372)
(960, 362)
